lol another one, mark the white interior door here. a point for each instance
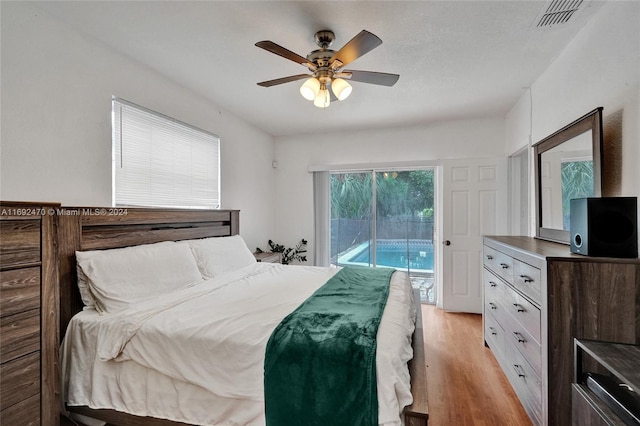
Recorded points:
(474, 203)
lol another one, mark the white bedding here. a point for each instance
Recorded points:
(197, 357)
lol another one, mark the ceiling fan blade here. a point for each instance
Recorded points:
(283, 80)
(362, 43)
(285, 53)
(379, 78)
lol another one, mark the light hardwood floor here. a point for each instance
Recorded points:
(464, 382)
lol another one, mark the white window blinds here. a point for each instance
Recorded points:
(161, 162)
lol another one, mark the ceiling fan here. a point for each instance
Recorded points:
(327, 67)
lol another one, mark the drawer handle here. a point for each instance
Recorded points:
(493, 331)
(519, 371)
(493, 306)
(489, 257)
(504, 266)
(526, 279)
(492, 284)
(519, 337)
(519, 307)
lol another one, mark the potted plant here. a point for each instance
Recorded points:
(288, 254)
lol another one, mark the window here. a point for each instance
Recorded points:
(161, 162)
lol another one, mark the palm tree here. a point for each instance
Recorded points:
(577, 182)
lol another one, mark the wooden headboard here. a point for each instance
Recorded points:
(99, 228)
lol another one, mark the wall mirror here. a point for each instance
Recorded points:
(567, 165)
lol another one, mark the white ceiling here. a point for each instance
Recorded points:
(456, 59)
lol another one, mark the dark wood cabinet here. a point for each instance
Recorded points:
(616, 360)
(29, 389)
(538, 297)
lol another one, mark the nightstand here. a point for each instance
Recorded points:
(267, 257)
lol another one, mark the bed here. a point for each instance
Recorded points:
(88, 229)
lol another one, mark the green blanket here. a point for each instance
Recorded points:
(320, 362)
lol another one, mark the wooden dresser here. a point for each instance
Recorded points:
(538, 297)
(29, 384)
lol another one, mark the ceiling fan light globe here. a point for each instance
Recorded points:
(322, 100)
(341, 88)
(309, 90)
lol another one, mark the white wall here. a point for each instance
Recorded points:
(599, 67)
(56, 126)
(424, 144)
(517, 125)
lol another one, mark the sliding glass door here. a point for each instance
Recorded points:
(385, 218)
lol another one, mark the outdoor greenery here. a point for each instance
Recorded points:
(402, 193)
(577, 182)
(351, 195)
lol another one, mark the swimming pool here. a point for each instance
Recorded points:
(414, 255)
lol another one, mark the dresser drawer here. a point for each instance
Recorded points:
(24, 413)
(494, 335)
(20, 379)
(527, 279)
(20, 290)
(494, 296)
(499, 263)
(20, 334)
(524, 312)
(519, 337)
(20, 243)
(525, 381)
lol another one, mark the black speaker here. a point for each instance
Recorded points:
(606, 226)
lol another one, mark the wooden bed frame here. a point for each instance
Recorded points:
(91, 228)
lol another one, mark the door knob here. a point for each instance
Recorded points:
(447, 243)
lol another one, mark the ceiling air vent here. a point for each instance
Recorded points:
(558, 12)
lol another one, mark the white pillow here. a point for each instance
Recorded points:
(217, 255)
(83, 285)
(120, 278)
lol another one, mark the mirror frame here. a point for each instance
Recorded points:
(590, 122)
